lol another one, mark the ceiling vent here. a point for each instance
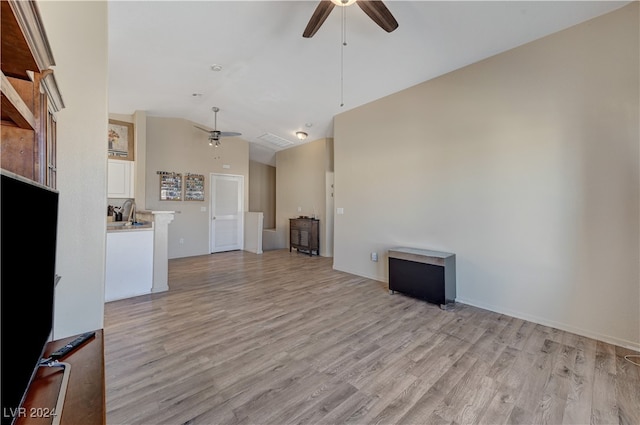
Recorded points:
(275, 140)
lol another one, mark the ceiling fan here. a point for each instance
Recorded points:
(215, 134)
(375, 9)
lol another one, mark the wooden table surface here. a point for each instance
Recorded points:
(85, 398)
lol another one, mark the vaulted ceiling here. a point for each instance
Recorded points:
(248, 58)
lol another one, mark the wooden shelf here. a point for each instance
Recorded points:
(14, 109)
(29, 94)
(24, 41)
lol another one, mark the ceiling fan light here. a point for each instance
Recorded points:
(301, 135)
(343, 2)
(210, 142)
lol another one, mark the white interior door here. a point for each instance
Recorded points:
(227, 206)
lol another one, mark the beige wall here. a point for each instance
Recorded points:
(77, 32)
(526, 165)
(175, 145)
(301, 183)
(262, 192)
(139, 120)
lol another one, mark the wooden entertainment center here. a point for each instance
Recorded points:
(30, 95)
(30, 100)
(85, 399)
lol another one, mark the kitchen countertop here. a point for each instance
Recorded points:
(123, 226)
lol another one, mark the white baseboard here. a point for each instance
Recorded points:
(359, 274)
(632, 345)
(550, 323)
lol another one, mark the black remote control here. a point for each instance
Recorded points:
(63, 351)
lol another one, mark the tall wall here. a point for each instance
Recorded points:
(301, 178)
(139, 121)
(77, 32)
(175, 145)
(262, 192)
(525, 165)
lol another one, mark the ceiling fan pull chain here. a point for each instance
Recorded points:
(342, 46)
(344, 26)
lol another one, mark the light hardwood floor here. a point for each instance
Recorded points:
(282, 338)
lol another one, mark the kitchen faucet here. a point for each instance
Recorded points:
(133, 212)
(129, 208)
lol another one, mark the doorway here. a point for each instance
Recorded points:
(227, 213)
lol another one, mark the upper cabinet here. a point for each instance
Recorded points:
(120, 179)
(30, 95)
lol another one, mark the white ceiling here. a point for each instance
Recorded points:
(275, 81)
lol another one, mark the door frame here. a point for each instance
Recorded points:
(240, 177)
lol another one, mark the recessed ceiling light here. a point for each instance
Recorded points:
(216, 68)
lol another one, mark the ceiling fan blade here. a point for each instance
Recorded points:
(317, 19)
(203, 129)
(229, 134)
(379, 13)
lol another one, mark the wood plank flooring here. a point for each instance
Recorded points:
(282, 338)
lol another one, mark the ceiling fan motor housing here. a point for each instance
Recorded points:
(215, 134)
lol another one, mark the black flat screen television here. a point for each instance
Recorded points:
(29, 216)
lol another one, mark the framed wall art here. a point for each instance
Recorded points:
(193, 187)
(121, 139)
(170, 186)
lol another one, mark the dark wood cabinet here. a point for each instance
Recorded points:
(304, 235)
(30, 95)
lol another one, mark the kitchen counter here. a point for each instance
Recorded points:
(125, 226)
(129, 262)
(137, 256)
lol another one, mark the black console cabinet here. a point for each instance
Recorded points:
(423, 274)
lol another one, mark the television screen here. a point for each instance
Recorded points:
(29, 216)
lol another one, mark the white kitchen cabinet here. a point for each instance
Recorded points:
(120, 178)
(129, 268)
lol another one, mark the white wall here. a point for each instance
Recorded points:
(526, 165)
(77, 32)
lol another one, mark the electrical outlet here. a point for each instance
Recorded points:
(181, 240)
(299, 209)
(374, 257)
